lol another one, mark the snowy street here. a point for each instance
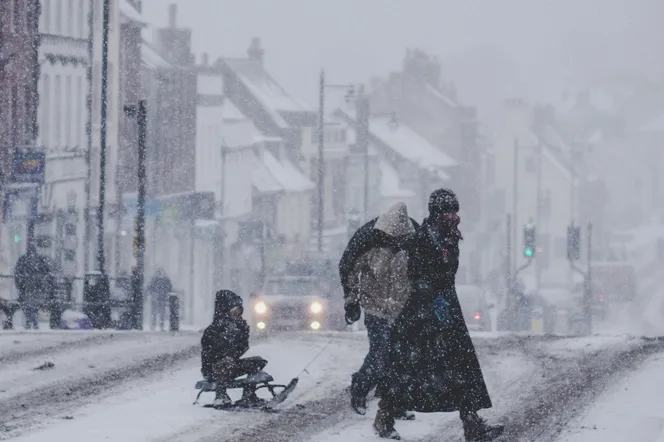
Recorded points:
(140, 387)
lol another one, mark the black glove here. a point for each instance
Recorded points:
(353, 312)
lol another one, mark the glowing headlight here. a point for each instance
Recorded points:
(316, 307)
(260, 308)
(315, 325)
(261, 326)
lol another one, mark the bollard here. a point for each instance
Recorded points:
(174, 305)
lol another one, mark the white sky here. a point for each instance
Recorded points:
(491, 48)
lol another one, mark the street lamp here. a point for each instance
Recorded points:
(321, 148)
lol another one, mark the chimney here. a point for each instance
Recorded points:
(172, 15)
(255, 51)
(204, 59)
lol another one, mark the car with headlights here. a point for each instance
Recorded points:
(289, 302)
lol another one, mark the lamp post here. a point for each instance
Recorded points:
(138, 277)
(101, 258)
(321, 150)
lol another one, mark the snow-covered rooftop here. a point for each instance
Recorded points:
(151, 58)
(231, 112)
(289, 177)
(262, 180)
(410, 145)
(266, 90)
(130, 13)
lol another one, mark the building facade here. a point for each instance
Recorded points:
(19, 97)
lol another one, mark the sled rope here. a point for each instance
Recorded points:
(304, 370)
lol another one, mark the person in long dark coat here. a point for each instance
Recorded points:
(433, 365)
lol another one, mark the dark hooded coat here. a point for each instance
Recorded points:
(226, 336)
(433, 365)
(365, 239)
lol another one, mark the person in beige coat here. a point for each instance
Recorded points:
(374, 274)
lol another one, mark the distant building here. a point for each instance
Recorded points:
(420, 99)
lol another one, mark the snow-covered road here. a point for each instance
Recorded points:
(157, 405)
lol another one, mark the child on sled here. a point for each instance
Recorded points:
(222, 345)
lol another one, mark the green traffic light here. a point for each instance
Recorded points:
(17, 238)
(528, 252)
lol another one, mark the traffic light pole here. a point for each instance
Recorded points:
(587, 282)
(140, 225)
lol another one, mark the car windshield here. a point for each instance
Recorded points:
(291, 287)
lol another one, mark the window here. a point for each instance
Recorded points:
(79, 104)
(57, 27)
(81, 7)
(68, 111)
(27, 120)
(57, 89)
(344, 135)
(46, 16)
(46, 111)
(69, 18)
(96, 92)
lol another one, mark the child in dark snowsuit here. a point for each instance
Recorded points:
(223, 344)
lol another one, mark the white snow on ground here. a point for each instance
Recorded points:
(162, 409)
(630, 411)
(589, 344)
(506, 375)
(123, 349)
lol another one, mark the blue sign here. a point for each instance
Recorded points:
(153, 208)
(28, 167)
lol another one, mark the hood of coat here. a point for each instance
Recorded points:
(225, 300)
(395, 222)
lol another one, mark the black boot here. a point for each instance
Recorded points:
(221, 399)
(404, 415)
(249, 399)
(358, 400)
(475, 429)
(384, 425)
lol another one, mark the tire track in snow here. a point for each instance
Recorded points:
(78, 343)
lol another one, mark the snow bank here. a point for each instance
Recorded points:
(630, 411)
(83, 361)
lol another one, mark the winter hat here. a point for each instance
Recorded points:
(443, 201)
(395, 222)
(225, 301)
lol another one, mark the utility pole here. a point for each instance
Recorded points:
(101, 258)
(508, 254)
(588, 298)
(362, 114)
(538, 222)
(321, 159)
(88, 132)
(140, 225)
(515, 199)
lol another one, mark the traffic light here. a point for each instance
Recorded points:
(529, 241)
(573, 243)
(17, 238)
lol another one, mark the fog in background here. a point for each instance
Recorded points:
(491, 49)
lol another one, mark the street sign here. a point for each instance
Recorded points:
(28, 167)
(153, 208)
